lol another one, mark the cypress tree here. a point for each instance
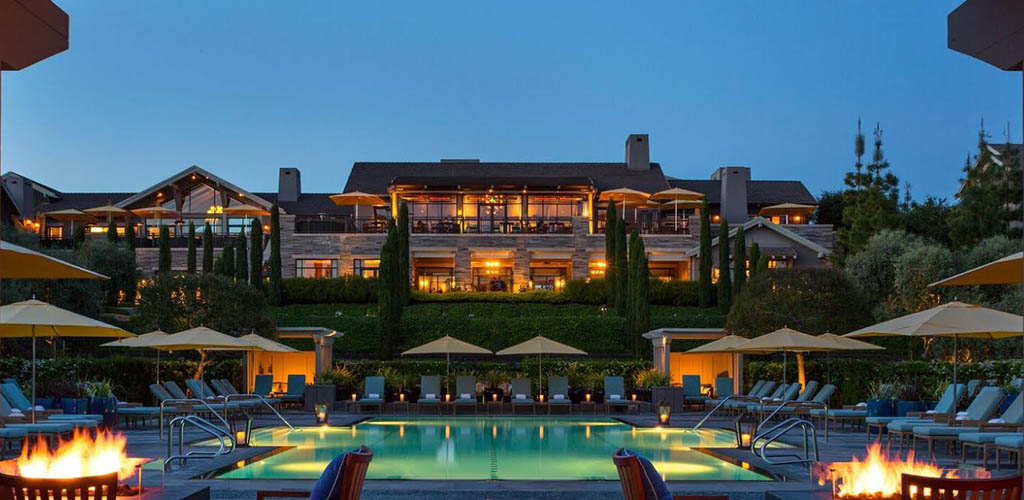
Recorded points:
(79, 235)
(275, 256)
(724, 280)
(164, 259)
(227, 256)
(762, 264)
(389, 308)
(129, 237)
(403, 280)
(740, 261)
(755, 259)
(241, 259)
(638, 320)
(131, 286)
(705, 260)
(610, 224)
(191, 258)
(112, 232)
(208, 266)
(256, 255)
(621, 269)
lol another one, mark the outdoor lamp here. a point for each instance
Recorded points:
(447, 397)
(634, 397)
(242, 435)
(664, 412)
(746, 428)
(541, 397)
(401, 397)
(353, 396)
(494, 396)
(588, 397)
(321, 413)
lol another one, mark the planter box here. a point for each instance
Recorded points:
(904, 407)
(880, 407)
(106, 406)
(318, 394)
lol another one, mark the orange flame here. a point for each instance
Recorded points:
(82, 456)
(879, 474)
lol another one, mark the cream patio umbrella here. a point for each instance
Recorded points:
(202, 339)
(676, 195)
(356, 198)
(625, 195)
(35, 318)
(446, 345)
(1005, 271)
(264, 344)
(156, 212)
(109, 211)
(21, 263)
(784, 340)
(246, 210)
(144, 340)
(953, 319)
(723, 344)
(843, 344)
(71, 215)
(540, 345)
(786, 209)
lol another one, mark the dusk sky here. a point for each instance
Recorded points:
(243, 88)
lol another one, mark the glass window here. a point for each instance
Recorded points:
(316, 268)
(367, 268)
(548, 278)
(598, 268)
(663, 273)
(552, 207)
(55, 232)
(492, 277)
(434, 279)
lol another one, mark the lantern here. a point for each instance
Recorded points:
(634, 398)
(664, 412)
(745, 427)
(353, 396)
(447, 397)
(401, 397)
(541, 398)
(241, 429)
(321, 413)
(494, 396)
(588, 397)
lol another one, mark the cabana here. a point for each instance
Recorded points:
(282, 364)
(708, 366)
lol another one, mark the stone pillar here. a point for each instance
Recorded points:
(462, 272)
(580, 255)
(521, 265)
(324, 353)
(289, 245)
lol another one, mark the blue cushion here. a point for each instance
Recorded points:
(937, 430)
(909, 425)
(1010, 441)
(330, 480)
(654, 487)
(819, 412)
(985, 437)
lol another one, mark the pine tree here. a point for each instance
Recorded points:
(989, 195)
(130, 286)
(164, 257)
(704, 257)
(740, 261)
(112, 232)
(621, 269)
(191, 257)
(241, 259)
(724, 280)
(208, 266)
(638, 319)
(403, 280)
(275, 257)
(610, 232)
(755, 258)
(129, 236)
(871, 201)
(256, 254)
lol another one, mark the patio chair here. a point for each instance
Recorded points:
(263, 385)
(641, 481)
(1011, 445)
(813, 406)
(982, 435)
(10, 434)
(373, 393)
(230, 389)
(749, 395)
(984, 404)
(20, 421)
(755, 405)
(691, 391)
(17, 400)
(521, 395)
(296, 389)
(723, 388)
(766, 391)
(430, 391)
(795, 397)
(465, 389)
(162, 394)
(342, 479)
(558, 391)
(947, 404)
(176, 392)
(614, 394)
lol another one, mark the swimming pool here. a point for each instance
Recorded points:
(499, 448)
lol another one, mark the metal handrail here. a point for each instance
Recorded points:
(203, 425)
(719, 405)
(773, 434)
(797, 403)
(191, 400)
(265, 402)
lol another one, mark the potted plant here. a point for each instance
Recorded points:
(493, 379)
(880, 400)
(102, 401)
(649, 379)
(910, 398)
(323, 390)
(1012, 391)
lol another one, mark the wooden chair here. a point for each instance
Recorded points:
(631, 480)
(351, 487)
(80, 488)
(913, 488)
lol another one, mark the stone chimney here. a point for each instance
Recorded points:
(638, 152)
(289, 184)
(733, 205)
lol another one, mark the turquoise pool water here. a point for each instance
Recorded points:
(483, 448)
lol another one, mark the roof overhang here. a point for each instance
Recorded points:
(201, 177)
(304, 332)
(821, 251)
(488, 183)
(30, 31)
(989, 30)
(670, 334)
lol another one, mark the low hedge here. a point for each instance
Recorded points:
(493, 326)
(349, 289)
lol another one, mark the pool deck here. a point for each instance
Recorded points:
(842, 445)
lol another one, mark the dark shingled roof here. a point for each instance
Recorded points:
(308, 204)
(374, 177)
(476, 180)
(82, 201)
(758, 192)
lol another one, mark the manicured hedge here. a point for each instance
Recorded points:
(346, 289)
(494, 326)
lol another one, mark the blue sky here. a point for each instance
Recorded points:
(243, 88)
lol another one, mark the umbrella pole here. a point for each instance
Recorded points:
(954, 359)
(447, 369)
(540, 376)
(158, 366)
(828, 367)
(33, 402)
(785, 361)
(675, 215)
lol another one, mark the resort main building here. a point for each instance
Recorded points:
(475, 225)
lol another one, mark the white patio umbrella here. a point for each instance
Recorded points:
(541, 345)
(677, 195)
(784, 340)
(202, 339)
(446, 345)
(144, 340)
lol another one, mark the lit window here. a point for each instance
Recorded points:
(55, 232)
(598, 268)
(367, 268)
(316, 268)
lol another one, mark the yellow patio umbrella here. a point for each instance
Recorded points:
(246, 210)
(356, 198)
(784, 340)
(156, 212)
(70, 215)
(721, 345)
(953, 319)
(676, 195)
(540, 345)
(446, 345)
(1005, 271)
(265, 344)
(625, 195)
(109, 211)
(143, 340)
(202, 339)
(35, 318)
(843, 344)
(21, 263)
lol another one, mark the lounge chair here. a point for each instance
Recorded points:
(1009, 444)
(17, 400)
(749, 395)
(790, 393)
(13, 420)
(795, 398)
(230, 389)
(723, 388)
(342, 479)
(982, 435)
(263, 385)
(558, 393)
(972, 388)
(465, 389)
(946, 405)
(641, 481)
(615, 394)
(162, 394)
(813, 406)
(296, 389)
(373, 393)
(430, 391)
(747, 405)
(977, 414)
(769, 390)
(521, 395)
(691, 391)
(10, 434)
(176, 392)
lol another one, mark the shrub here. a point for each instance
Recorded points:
(593, 292)
(675, 293)
(175, 303)
(345, 289)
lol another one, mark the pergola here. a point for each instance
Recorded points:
(661, 341)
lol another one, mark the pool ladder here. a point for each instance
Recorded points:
(223, 436)
(773, 434)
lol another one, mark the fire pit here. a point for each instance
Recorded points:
(877, 477)
(85, 467)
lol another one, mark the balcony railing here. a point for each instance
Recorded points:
(436, 225)
(141, 242)
(664, 226)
